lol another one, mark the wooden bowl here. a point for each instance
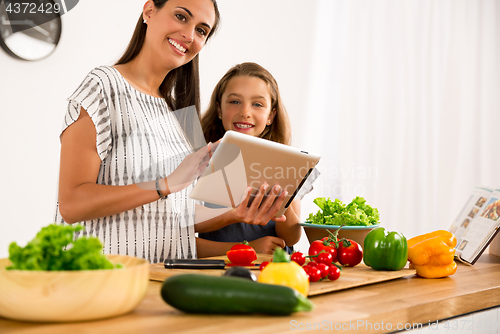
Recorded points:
(356, 233)
(61, 296)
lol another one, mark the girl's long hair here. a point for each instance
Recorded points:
(279, 130)
(181, 86)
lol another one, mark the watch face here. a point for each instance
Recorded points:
(30, 30)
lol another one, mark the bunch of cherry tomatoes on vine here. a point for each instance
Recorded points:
(327, 257)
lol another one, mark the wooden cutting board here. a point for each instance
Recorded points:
(349, 278)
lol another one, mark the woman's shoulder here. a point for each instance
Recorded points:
(100, 80)
(103, 72)
(103, 78)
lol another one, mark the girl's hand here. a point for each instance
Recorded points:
(261, 211)
(189, 169)
(267, 245)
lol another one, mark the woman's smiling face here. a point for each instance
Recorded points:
(178, 31)
(246, 105)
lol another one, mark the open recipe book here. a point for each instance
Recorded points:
(477, 224)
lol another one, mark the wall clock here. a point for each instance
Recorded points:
(30, 30)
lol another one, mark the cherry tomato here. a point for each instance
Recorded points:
(350, 253)
(263, 265)
(333, 273)
(323, 245)
(314, 274)
(320, 245)
(325, 258)
(311, 264)
(306, 269)
(323, 268)
(299, 258)
(335, 254)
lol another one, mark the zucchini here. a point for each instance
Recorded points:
(194, 293)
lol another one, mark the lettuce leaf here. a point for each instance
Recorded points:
(356, 213)
(53, 248)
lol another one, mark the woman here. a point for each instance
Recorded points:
(126, 166)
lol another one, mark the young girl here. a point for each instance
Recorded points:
(247, 100)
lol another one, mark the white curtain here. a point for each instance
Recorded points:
(404, 106)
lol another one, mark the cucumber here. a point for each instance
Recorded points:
(194, 293)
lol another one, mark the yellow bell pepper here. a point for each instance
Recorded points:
(421, 253)
(426, 236)
(432, 254)
(427, 271)
(282, 271)
(442, 259)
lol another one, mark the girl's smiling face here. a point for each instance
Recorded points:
(246, 105)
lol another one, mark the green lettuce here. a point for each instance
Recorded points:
(356, 213)
(54, 248)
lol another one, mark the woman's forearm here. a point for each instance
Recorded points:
(90, 201)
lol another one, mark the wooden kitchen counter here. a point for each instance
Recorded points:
(375, 308)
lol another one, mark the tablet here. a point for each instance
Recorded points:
(242, 160)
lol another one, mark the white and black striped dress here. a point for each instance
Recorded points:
(138, 139)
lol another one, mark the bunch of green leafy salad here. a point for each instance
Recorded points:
(54, 248)
(356, 213)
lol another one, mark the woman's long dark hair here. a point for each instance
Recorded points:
(181, 86)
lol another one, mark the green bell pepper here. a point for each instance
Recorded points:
(385, 250)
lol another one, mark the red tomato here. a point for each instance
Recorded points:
(323, 268)
(299, 258)
(325, 258)
(333, 273)
(306, 269)
(311, 264)
(335, 254)
(263, 265)
(242, 254)
(314, 274)
(323, 245)
(241, 246)
(349, 255)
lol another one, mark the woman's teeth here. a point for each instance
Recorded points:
(177, 46)
(243, 126)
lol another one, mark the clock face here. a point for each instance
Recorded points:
(30, 30)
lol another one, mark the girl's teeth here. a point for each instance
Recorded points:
(177, 46)
(243, 126)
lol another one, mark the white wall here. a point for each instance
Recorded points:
(33, 94)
